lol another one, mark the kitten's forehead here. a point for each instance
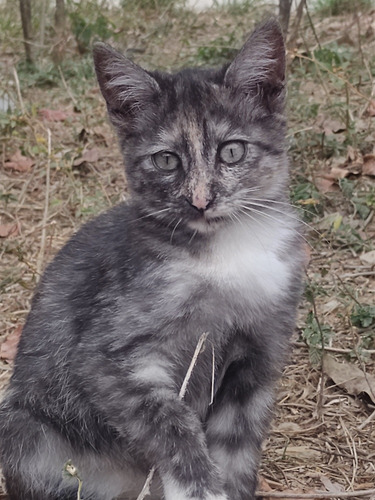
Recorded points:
(199, 116)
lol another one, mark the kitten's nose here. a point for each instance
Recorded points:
(200, 203)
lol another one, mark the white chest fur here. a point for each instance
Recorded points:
(247, 258)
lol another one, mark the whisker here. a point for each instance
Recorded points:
(193, 236)
(257, 222)
(285, 203)
(269, 216)
(174, 229)
(286, 214)
(151, 214)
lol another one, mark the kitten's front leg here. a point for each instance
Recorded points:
(237, 426)
(159, 429)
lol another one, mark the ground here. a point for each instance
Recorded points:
(59, 166)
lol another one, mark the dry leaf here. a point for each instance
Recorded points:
(8, 348)
(331, 486)
(7, 230)
(325, 183)
(350, 377)
(368, 165)
(263, 484)
(89, 156)
(53, 115)
(368, 258)
(19, 162)
(370, 111)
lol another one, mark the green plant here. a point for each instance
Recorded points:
(338, 7)
(363, 315)
(88, 24)
(306, 198)
(218, 52)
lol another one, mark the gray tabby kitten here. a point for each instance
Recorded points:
(207, 243)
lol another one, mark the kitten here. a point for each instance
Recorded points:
(207, 243)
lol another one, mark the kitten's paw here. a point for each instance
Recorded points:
(173, 491)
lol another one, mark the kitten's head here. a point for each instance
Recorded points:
(199, 144)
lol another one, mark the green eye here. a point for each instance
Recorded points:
(164, 160)
(232, 152)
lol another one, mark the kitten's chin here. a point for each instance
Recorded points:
(206, 226)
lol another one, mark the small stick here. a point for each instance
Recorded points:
(39, 263)
(317, 494)
(146, 487)
(19, 91)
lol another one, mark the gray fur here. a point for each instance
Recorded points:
(206, 246)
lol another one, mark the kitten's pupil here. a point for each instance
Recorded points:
(232, 152)
(165, 160)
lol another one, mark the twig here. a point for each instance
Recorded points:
(322, 368)
(19, 91)
(146, 487)
(317, 494)
(39, 263)
(367, 421)
(69, 92)
(334, 349)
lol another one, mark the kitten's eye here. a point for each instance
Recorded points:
(232, 152)
(164, 160)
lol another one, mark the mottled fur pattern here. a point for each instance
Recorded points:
(207, 243)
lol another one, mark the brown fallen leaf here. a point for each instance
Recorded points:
(368, 258)
(368, 165)
(350, 377)
(53, 115)
(19, 162)
(370, 110)
(88, 156)
(8, 348)
(7, 230)
(325, 183)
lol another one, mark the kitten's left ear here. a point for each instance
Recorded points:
(260, 64)
(124, 85)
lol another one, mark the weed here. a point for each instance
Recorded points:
(306, 198)
(222, 49)
(363, 315)
(339, 7)
(316, 335)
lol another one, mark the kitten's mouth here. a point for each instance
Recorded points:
(206, 223)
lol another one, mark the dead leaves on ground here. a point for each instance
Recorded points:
(350, 377)
(354, 164)
(53, 115)
(19, 162)
(10, 229)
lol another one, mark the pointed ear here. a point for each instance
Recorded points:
(124, 85)
(261, 61)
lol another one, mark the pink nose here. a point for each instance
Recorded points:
(199, 202)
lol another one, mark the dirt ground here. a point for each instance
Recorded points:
(60, 166)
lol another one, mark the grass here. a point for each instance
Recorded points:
(331, 77)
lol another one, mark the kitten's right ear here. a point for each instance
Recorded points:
(124, 85)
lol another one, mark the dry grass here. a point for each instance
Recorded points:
(322, 438)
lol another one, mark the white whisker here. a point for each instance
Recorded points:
(254, 202)
(174, 229)
(269, 216)
(151, 214)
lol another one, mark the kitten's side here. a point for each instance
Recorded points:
(207, 243)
